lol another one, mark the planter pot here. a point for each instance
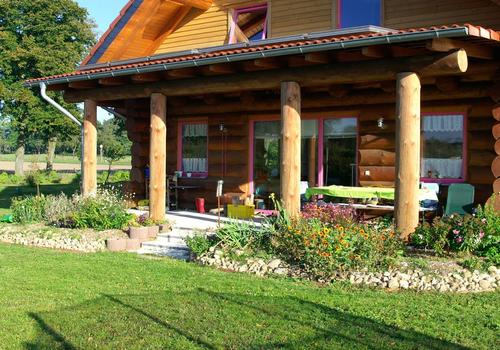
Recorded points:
(165, 228)
(140, 233)
(133, 244)
(153, 231)
(116, 244)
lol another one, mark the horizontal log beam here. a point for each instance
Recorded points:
(355, 72)
(446, 44)
(324, 100)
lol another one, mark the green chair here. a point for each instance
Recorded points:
(460, 199)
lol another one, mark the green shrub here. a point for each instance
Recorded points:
(33, 178)
(28, 210)
(106, 210)
(322, 248)
(4, 178)
(477, 234)
(52, 177)
(240, 234)
(199, 244)
(120, 176)
(59, 210)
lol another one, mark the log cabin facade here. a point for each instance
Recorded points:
(268, 94)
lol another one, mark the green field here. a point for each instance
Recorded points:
(7, 192)
(56, 300)
(60, 159)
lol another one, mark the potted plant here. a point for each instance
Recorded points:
(152, 228)
(138, 231)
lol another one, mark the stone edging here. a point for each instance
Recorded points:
(462, 281)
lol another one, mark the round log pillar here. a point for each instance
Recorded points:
(89, 170)
(407, 153)
(158, 157)
(291, 138)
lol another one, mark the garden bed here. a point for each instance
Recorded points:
(39, 235)
(422, 274)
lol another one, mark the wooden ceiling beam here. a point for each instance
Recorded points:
(146, 78)
(83, 85)
(376, 51)
(115, 81)
(318, 57)
(401, 51)
(473, 50)
(182, 73)
(198, 4)
(57, 87)
(447, 84)
(349, 73)
(219, 68)
(169, 27)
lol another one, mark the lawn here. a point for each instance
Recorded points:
(60, 159)
(60, 300)
(68, 185)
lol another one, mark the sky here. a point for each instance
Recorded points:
(103, 12)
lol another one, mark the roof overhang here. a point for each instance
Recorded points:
(279, 47)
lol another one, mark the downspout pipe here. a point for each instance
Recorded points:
(43, 92)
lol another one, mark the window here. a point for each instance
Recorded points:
(442, 147)
(340, 147)
(267, 154)
(249, 24)
(353, 13)
(194, 149)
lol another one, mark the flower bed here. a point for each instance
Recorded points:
(328, 242)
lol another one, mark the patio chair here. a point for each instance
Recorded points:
(460, 199)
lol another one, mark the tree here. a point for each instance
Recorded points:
(39, 38)
(112, 136)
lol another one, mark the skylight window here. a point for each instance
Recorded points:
(249, 24)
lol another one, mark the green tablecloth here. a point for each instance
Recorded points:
(363, 192)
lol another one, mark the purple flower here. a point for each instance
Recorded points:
(456, 232)
(459, 240)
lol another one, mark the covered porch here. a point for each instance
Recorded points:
(332, 110)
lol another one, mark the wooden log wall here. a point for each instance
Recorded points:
(495, 165)
(376, 155)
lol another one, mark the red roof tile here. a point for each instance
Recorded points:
(473, 31)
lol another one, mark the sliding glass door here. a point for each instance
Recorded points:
(328, 157)
(339, 151)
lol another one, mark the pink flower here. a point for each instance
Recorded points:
(459, 240)
(481, 235)
(456, 232)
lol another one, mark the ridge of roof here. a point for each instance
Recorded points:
(472, 30)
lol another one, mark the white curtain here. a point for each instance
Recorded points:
(195, 130)
(444, 168)
(443, 123)
(195, 165)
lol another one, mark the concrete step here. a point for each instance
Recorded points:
(181, 254)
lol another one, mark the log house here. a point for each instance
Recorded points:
(268, 94)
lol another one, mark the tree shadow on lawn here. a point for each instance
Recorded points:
(207, 320)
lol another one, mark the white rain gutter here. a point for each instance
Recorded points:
(43, 92)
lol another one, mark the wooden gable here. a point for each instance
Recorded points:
(142, 27)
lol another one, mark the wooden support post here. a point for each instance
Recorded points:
(291, 138)
(158, 157)
(407, 153)
(89, 171)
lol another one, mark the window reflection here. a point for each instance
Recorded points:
(340, 141)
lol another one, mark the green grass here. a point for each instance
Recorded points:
(56, 300)
(59, 159)
(7, 192)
